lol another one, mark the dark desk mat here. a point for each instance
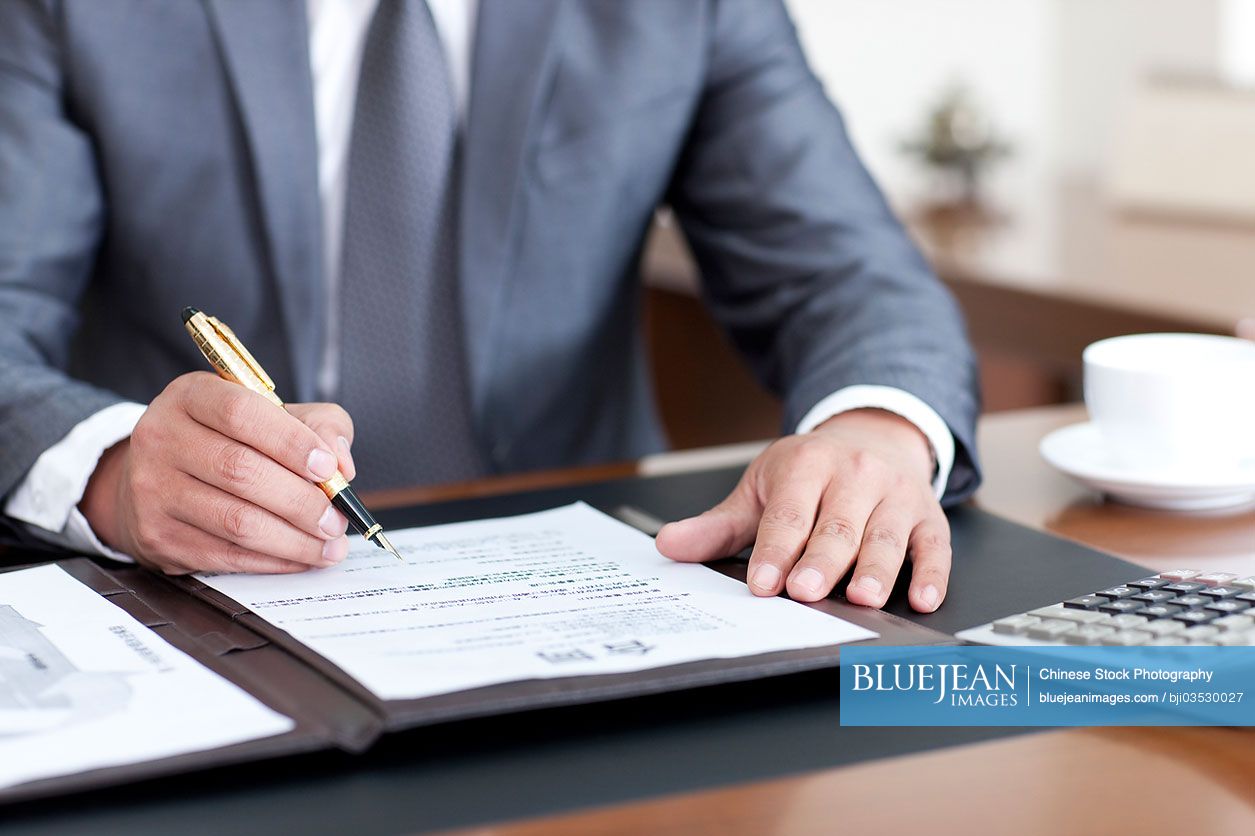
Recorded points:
(556, 759)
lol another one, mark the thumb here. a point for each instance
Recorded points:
(720, 532)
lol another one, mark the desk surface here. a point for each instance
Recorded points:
(1021, 487)
(1053, 782)
(1065, 243)
(561, 759)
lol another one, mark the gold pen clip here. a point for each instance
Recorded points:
(238, 347)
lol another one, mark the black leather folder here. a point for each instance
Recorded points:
(332, 710)
(1000, 568)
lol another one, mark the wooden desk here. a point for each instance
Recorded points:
(1052, 271)
(1020, 486)
(1064, 268)
(1155, 780)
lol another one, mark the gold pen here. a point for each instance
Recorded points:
(233, 362)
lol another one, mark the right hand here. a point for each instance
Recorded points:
(215, 478)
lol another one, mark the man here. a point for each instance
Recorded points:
(430, 212)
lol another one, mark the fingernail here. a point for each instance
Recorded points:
(334, 551)
(928, 595)
(321, 464)
(333, 523)
(870, 584)
(809, 581)
(346, 452)
(766, 577)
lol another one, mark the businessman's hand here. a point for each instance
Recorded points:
(856, 490)
(215, 478)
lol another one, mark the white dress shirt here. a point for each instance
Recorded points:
(47, 500)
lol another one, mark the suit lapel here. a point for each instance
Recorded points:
(510, 64)
(265, 46)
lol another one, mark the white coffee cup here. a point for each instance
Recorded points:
(1180, 402)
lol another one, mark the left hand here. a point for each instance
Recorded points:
(855, 490)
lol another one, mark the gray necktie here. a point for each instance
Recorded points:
(403, 368)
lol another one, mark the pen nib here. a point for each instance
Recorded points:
(383, 543)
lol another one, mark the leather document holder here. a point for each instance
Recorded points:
(999, 568)
(331, 710)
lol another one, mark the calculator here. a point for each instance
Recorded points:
(1181, 607)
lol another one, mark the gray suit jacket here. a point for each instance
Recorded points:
(156, 155)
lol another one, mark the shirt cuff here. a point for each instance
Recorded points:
(47, 499)
(900, 403)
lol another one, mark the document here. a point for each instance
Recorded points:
(566, 592)
(83, 685)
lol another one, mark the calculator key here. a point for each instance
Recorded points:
(1203, 632)
(1220, 592)
(1165, 627)
(1159, 611)
(1014, 624)
(1088, 634)
(1121, 606)
(1214, 578)
(1249, 597)
(1236, 639)
(1155, 583)
(1244, 584)
(1085, 602)
(1179, 574)
(1234, 623)
(1117, 592)
(1126, 638)
(1154, 596)
(1126, 621)
(1195, 616)
(1228, 607)
(1080, 616)
(1168, 641)
(1191, 601)
(1051, 630)
(1052, 611)
(1184, 588)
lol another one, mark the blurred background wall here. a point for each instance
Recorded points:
(1054, 75)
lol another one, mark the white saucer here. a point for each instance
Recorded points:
(1079, 452)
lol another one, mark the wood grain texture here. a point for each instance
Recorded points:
(1090, 781)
